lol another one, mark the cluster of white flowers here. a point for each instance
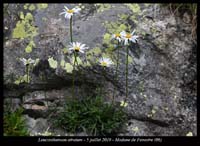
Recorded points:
(79, 47)
(126, 37)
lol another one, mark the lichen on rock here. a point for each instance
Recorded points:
(42, 5)
(31, 7)
(102, 7)
(25, 29)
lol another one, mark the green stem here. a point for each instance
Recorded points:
(45, 95)
(73, 77)
(45, 78)
(117, 63)
(76, 59)
(71, 29)
(27, 72)
(27, 68)
(79, 72)
(126, 76)
(116, 71)
(104, 74)
(101, 86)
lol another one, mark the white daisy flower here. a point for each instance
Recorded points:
(129, 37)
(27, 61)
(105, 62)
(77, 47)
(117, 36)
(69, 12)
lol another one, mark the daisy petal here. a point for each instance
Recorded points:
(133, 32)
(62, 13)
(82, 46)
(66, 7)
(123, 33)
(126, 41)
(81, 51)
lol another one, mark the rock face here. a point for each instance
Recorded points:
(162, 65)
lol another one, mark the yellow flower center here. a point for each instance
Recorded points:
(104, 63)
(117, 35)
(70, 11)
(77, 49)
(128, 36)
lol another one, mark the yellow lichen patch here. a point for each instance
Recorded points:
(189, 134)
(42, 5)
(79, 61)
(114, 27)
(25, 28)
(96, 51)
(102, 7)
(26, 6)
(21, 15)
(130, 60)
(19, 80)
(26, 78)
(135, 8)
(62, 63)
(87, 63)
(31, 7)
(106, 55)
(68, 67)
(106, 38)
(135, 129)
(123, 16)
(65, 50)
(52, 63)
(92, 54)
(29, 47)
(19, 31)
